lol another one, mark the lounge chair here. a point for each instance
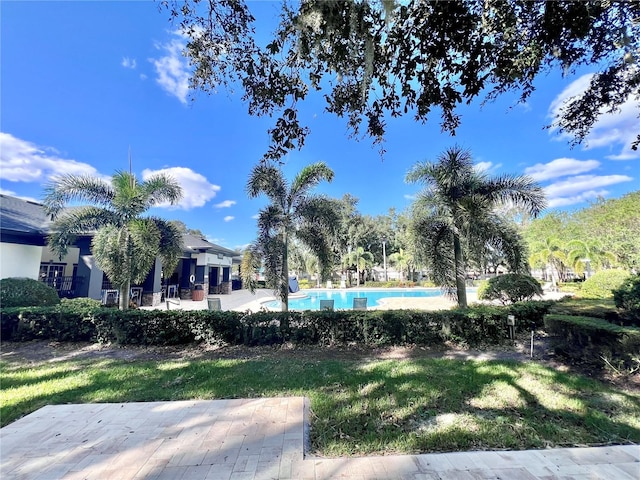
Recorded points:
(326, 305)
(360, 303)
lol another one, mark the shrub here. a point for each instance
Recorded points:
(26, 292)
(593, 341)
(74, 321)
(602, 283)
(627, 299)
(392, 284)
(509, 288)
(585, 307)
(570, 287)
(46, 323)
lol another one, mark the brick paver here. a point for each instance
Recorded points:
(252, 439)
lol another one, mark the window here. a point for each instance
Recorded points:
(51, 273)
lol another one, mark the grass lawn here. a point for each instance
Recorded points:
(360, 407)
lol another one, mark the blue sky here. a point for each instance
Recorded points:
(82, 82)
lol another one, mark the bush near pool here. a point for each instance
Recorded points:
(68, 322)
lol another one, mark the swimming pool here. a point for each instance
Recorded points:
(343, 299)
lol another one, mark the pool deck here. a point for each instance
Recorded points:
(243, 301)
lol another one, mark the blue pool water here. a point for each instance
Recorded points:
(343, 299)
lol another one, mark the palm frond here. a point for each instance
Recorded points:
(70, 188)
(251, 263)
(160, 188)
(77, 221)
(309, 177)
(112, 251)
(267, 179)
(171, 243)
(145, 247)
(521, 190)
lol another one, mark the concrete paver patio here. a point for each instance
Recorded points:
(251, 439)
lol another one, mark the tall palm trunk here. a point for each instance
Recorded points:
(123, 299)
(284, 287)
(460, 273)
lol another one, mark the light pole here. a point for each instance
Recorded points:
(587, 261)
(384, 257)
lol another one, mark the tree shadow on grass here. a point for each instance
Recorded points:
(377, 406)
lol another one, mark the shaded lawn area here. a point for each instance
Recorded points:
(361, 407)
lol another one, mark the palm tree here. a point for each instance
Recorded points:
(361, 259)
(292, 212)
(550, 252)
(458, 206)
(401, 260)
(125, 245)
(588, 254)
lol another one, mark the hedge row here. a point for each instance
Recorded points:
(591, 339)
(481, 324)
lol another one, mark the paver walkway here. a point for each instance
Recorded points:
(251, 439)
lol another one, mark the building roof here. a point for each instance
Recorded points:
(22, 217)
(195, 244)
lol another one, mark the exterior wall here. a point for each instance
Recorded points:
(20, 260)
(70, 259)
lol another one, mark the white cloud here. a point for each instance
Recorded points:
(196, 189)
(583, 197)
(484, 167)
(580, 188)
(23, 161)
(228, 218)
(410, 197)
(172, 68)
(11, 193)
(615, 130)
(256, 216)
(128, 63)
(225, 204)
(560, 167)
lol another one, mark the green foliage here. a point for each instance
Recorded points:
(372, 61)
(293, 212)
(586, 307)
(26, 292)
(627, 299)
(478, 324)
(125, 244)
(602, 283)
(605, 232)
(592, 340)
(570, 287)
(397, 284)
(457, 207)
(46, 323)
(509, 288)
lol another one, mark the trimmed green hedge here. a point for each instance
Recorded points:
(26, 292)
(602, 284)
(589, 339)
(627, 299)
(478, 324)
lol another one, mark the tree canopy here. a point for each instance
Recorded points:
(608, 229)
(373, 60)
